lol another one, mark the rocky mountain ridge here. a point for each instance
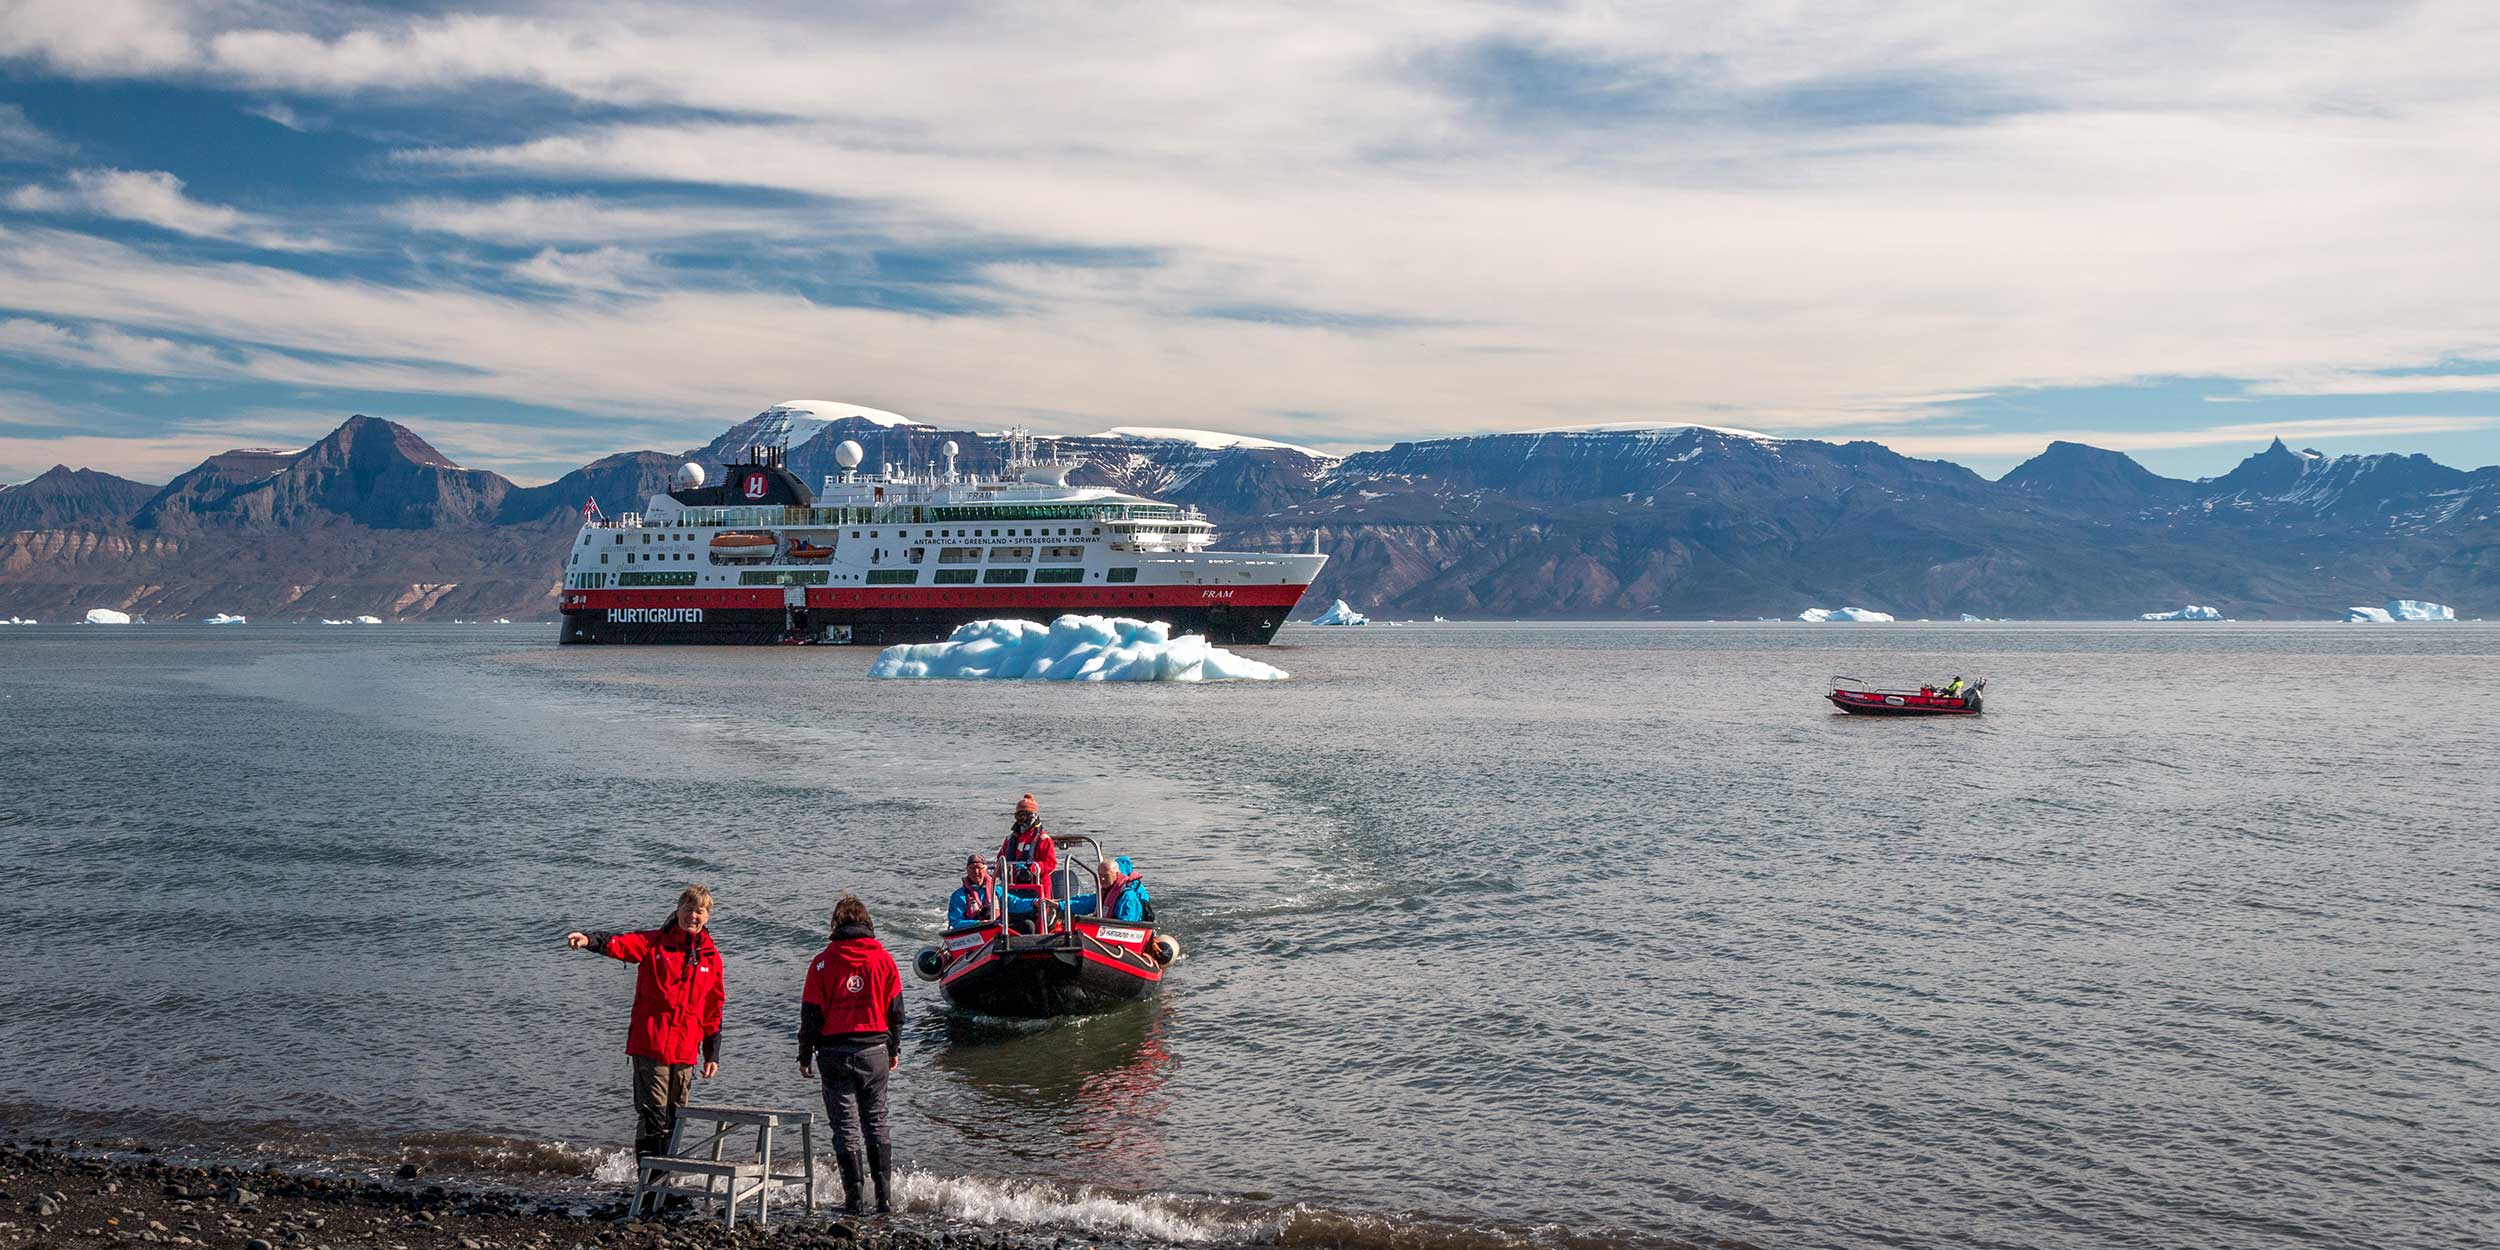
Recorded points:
(1671, 523)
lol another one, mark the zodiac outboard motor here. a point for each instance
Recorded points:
(928, 963)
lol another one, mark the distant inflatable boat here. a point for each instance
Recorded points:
(1859, 698)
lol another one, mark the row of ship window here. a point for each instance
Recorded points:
(653, 535)
(946, 555)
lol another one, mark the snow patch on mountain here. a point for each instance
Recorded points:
(1652, 427)
(827, 411)
(1210, 440)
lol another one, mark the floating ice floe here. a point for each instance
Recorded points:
(107, 616)
(1071, 648)
(1819, 615)
(2191, 612)
(1340, 614)
(368, 620)
(2400, 610)
(223, 618)
(22, 620)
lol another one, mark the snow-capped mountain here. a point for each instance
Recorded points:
(1667, 521)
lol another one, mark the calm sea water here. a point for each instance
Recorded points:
(1611, 934)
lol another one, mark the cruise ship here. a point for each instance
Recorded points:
(904, 556)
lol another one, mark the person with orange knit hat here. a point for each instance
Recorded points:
(1031, 857)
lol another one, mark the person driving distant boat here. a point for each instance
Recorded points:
(1953, 688)
(1032, 859)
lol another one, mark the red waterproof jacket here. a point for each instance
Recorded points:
(852, 984)
(1033, 847)
(678, 993)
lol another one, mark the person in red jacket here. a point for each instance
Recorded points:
(851, 1021)
(1032, 859)
(678, 993)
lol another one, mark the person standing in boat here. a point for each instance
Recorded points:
(851, 1021)
(1031, 857)
(679, 991)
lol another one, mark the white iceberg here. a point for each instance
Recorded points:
(1339, 614)
(1818, 615)
(2419, 610)
(226, 619)
(1072, 648)
(22, 620)
(368, 620)
(2358, 615)
(107, 616)
(2191, 612)
(327, 621)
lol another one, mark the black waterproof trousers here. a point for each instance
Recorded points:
(854, 1069)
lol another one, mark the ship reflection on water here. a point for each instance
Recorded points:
(1092, 1085)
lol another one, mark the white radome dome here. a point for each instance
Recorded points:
(950, 448)
(848, 455)
(687, 477)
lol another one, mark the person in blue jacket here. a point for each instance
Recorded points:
(1120, 885)
(976, 900)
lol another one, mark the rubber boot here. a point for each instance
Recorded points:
(854, 1195)
(878, 1167)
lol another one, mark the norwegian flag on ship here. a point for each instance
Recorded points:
(590, 510)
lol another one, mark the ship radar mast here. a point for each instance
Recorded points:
(1025, 463)
(848, 455)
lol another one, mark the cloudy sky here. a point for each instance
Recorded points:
(543, 233)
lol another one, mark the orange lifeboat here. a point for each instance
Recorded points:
(807, 551)
(736, 546)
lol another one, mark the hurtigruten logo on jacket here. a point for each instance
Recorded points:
(655, 616)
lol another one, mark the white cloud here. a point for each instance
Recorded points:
(278, 112)
(2244, 433)
(22, 139)
(2070, 195)
(156, 198)
(2381, 384)
(597, 269)
(528, 219)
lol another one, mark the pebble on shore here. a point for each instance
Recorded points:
(68, 1197)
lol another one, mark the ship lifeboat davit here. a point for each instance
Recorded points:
(1859, 698)
(737, 546)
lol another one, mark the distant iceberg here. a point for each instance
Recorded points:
(2400, 610)
(225, 619)
(1994, 620)
(327, 621)
(2191, 612)
(107, 616)
(1071, 648)
(22, 620)
(1819, 615)
(1339, 614)
(368, 620)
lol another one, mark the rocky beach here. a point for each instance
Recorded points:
(60, 1193)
